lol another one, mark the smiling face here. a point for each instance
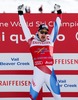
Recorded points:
(42, 34)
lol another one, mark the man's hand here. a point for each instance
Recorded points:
(20, 9)
(57, 9)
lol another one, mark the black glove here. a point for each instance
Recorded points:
(20, 9)
(57, 9)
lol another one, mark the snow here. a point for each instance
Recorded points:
(67, 6)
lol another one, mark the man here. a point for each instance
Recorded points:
(41, 48)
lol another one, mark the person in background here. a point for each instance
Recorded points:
(27, 9)
(41, 9)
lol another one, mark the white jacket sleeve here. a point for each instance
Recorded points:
(55, 29)
(25, 28)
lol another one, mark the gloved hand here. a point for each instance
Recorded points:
(57, 8)
(20, 9)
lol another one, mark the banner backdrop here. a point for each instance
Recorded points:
(16, 65)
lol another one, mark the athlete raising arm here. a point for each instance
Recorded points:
(41, 48)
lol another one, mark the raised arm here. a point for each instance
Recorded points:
(57, 23)
(24, 26)
(55, 29)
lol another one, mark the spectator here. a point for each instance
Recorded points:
(41, 9)
(27, 9)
